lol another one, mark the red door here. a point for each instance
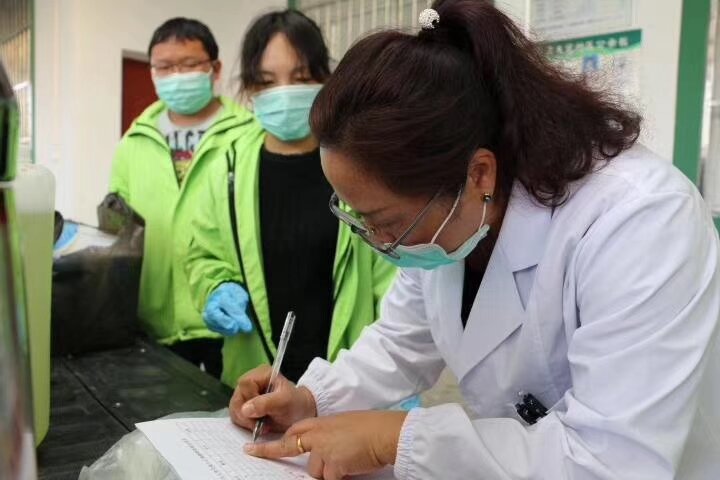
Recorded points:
(138, 90)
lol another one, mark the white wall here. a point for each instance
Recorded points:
(79, 46)
(660, 22)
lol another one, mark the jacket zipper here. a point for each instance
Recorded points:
(230, 159)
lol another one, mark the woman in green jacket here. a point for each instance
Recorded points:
(264, 240)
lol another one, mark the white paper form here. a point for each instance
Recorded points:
(212, 449)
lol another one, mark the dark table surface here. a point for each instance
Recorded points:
(97, 398)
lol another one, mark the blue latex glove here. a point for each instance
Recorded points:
(408, 404)
(226, 310)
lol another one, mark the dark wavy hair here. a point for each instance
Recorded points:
(413, 109)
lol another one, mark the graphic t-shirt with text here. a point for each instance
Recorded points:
(183, 141)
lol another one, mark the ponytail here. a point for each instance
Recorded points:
(413, 109)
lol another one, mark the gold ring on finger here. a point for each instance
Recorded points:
(300, 447)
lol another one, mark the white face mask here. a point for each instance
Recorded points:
(185, 93)
(431, 255)
(285, 111)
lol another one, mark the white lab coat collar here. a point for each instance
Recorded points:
(497, 311)
(524, 230)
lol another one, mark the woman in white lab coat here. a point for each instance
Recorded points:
(557, 258)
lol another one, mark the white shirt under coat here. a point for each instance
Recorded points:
(605, 308)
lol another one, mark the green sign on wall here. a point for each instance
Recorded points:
(606, 44)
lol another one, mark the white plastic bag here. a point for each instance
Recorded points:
(133, 457)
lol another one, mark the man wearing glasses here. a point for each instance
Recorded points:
(160, 166)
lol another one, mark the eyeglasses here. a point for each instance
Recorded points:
(163, 70)
(367, 233)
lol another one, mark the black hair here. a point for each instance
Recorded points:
(183, 29)
(412, 109)
(302, 32)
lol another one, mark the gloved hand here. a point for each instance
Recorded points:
(226, 310)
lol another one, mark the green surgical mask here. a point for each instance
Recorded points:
(284, 112)
(185, 93)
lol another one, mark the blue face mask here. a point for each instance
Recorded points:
(284, 112)
(431, 255)
(185, 93)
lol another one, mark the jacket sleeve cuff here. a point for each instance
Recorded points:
(437, 440)
(315, 379)
(403, 462)
(214, 286)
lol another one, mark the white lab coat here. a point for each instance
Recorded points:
(606, 309)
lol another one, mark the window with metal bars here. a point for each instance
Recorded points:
(710, 170)
(345, 21)
(16, 56)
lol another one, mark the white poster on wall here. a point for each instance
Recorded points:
(556, 19)
(610, 60)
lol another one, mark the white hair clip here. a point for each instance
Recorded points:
(428, 18)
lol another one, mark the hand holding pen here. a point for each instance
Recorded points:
(282, 348)
(285, 405)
